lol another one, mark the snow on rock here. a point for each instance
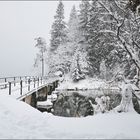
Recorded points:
(20, 121)
(54, 97)
(45, 103)
(58, 73)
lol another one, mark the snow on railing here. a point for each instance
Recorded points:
(20, 83)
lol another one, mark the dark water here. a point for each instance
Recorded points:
(76, 103)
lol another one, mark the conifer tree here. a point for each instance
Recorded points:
(92, 39)
(83, 18)
(73, 25)
(58, 32)
(99, 45)
(41, 45)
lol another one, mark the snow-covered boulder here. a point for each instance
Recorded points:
(58, 73)
(53, 97)
(45, 105)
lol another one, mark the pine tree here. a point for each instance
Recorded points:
(74, 38)
(73, 25)
(125, 32)
(41, 45)
(81, 40)
(103, 70)
(83, 18)
(77, 74)
(58, 32)
(93, 38)
(99, 44)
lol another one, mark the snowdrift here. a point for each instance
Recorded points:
(19, 120)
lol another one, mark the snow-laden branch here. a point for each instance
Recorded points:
(109, 12)
(136, 44)
(138, 18)
(132, 52)
(108, 31)
(119, 23)
(115, 2)
(119, 27)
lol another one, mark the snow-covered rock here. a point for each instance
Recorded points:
(44, 104)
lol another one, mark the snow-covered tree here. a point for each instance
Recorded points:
(99, 45)
(80, 31)
(126, 104)
(73, 33)
(83, 18)
(126, 29)
(58, 49)
(134, 5)
(58, 32)
(77, 73)
(41, 45)
(103, 69)
(76, 50)
(61, 60)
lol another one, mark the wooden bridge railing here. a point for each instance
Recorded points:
(29, 81)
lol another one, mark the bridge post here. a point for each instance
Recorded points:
(38, 81)
(21, 87)
(28, 84)
(41, 80)
(53, 86)
(46, 91)
(56, 83)
(50, 89)
(25, 79)
(5, 82)
(9, 88)
(34, 82)
(14, 81)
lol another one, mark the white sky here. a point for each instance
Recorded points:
(20, 23)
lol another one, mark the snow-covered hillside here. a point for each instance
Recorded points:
(19, 120)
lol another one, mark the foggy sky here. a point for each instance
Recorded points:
(20, 23)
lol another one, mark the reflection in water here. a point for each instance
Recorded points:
(81, 103)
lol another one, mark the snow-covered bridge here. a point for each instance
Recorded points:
(29, 89)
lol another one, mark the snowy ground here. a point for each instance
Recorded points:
(19, 120)
(88, 83)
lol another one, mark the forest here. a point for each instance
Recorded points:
(101, 39)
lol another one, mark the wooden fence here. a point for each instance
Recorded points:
(7, 82)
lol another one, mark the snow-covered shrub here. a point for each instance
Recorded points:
(76, 75)
(102, 104)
